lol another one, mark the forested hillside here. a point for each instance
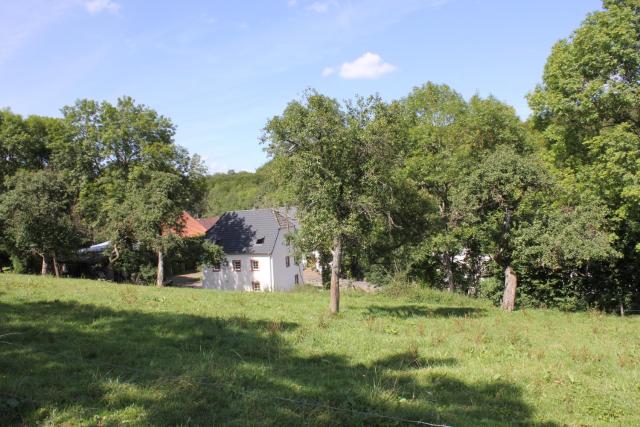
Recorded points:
(236, 190)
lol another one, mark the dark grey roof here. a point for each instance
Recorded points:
(240, 232)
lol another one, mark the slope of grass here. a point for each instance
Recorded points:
(79, 352)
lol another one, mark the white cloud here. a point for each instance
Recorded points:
(98, 6)
(321, 6)
(327, 71)
(367, 66)
(292, 3)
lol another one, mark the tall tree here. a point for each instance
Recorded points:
(558, 248)
(499, 198)
(335, 162)
(588, 109)
(436, 164)
(23, 143)
(153, 208)
(37, 212)
(118, 150)
(449, 136)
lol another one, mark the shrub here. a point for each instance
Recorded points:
(211, 254)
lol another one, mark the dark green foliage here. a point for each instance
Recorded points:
(110, 172)
(499, 197)
(337, 164)
(448, 139)
(587, 108)
(23, 143)
(210, 254)
(235, 191)
(135, 265)
(37, 213)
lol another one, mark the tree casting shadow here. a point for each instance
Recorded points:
(169, 369)
(416, 310)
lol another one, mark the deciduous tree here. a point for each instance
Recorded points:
(498, 198)
(37, 213)
(336, 162)
(588, 108)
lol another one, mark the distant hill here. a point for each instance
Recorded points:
(238, 190)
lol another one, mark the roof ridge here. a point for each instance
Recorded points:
(247, 210)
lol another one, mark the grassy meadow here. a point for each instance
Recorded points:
(81, 352)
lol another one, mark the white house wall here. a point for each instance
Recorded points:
(283, 277)
(227, 279)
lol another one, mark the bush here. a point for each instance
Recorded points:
(398, 285)
(211, 254)
(379, 275)
(492, 289)
(146, 274)
(186, 257)
(17, 265)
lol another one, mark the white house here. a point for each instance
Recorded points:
(258, 256)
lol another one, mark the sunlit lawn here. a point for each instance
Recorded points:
(94, 353)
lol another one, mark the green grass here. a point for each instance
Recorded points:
(80, 352)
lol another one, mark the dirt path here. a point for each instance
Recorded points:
(187, 280)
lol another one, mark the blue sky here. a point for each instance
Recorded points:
(220, 69)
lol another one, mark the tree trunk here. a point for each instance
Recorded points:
(160, 275)
(45, 266)
(113, 257)
(448, 266)
(510, 285)
(334, 305)
(56, 269)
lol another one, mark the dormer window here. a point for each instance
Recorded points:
(260, 241)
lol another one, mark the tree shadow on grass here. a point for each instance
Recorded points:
(75, 362)
(413, 360)
(416, 310)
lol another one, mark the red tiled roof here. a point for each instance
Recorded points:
(207, 223)
(191, 226)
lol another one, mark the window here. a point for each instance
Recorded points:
(255, 265)
(287, 261)
(215, 266)
(296, 279)
(255, 285)
(260, 241)
(237, 265)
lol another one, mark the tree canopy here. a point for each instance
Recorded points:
(336, 164)
(587, 110)
(101, 172)
(37, 212)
